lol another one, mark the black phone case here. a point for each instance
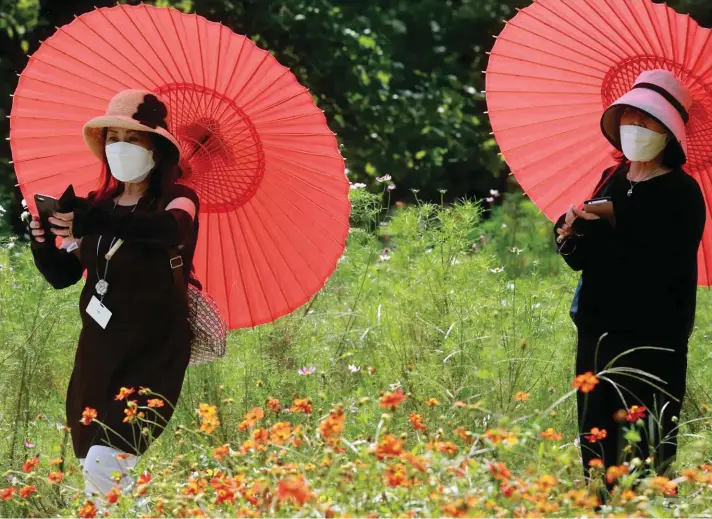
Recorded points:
(46, 206)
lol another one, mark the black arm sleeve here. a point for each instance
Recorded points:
(59, 267)
(166, 229)
(665, 234)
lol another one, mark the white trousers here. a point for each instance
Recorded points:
(98, 467)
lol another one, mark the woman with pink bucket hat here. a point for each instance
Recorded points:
(635, 304)
(134, 346)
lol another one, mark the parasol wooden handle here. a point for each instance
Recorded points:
(113, 249)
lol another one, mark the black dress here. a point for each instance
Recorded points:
(638, 289)
(147, 341)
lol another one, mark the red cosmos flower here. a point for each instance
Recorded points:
(302, 405)
(124, 392)
(55, 477)
(274, 405)
(7, 493)
(113, 495)
(28, 490)
(393, 400)
(596, 435)
(31, 464)
(636, 413)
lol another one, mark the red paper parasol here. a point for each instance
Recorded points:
(558, 64)
(274, 195)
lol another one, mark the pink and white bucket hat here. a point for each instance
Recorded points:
(662, 96)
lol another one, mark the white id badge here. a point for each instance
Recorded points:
(97, 311)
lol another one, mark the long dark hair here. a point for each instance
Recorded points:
(164, 175)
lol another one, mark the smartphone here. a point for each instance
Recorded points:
(601, 207)
(46, 207)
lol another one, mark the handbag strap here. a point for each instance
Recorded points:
(176, 262)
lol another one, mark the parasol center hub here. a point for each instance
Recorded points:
(222, 154)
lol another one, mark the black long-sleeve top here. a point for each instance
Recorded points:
(153, 228)
(640, 275)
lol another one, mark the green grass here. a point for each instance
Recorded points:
(430, 313)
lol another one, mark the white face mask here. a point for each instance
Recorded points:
(640, 144)
(128, 162)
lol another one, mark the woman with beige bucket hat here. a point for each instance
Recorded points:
(134, 345)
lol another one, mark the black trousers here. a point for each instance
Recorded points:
(620, 391)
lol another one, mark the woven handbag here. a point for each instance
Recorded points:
(206, 322)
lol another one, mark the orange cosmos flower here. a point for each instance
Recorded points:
(144, 479)
(195, 486)
(521, 396)
(389, 447)
(464, 434)
(457, 508)
(500, 471)
(27, 491)
(220, 452)
(155, 402)
(432, 402)
(636, 413)
(88, 510)
(31, 464)
(664, 486)
(274, 405)
(497, 436)
(596, 463)
(295, 489)
(207, 411)
(416, 421)
(260, 435)
(546, 482)
(586, 382)
(596, 435)
(302, 405)
(123, 456)
(551, 434)
(55, 477)
(417, 462)
(280, 432)
(333, 425)
(88, 415)
(393, 400)
(444, 447)
(397, 476)
(615, 472)
(131, 412)
(7, 493)
(251, 418)
(124, 392)
(113, 495)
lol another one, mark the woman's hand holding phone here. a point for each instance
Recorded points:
(62, 223)
(571, 215)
